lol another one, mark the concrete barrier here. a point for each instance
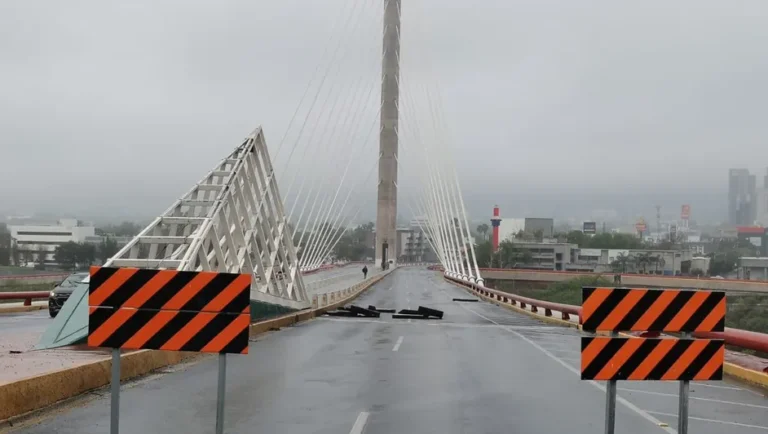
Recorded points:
(34, 393)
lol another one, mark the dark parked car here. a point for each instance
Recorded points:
(63, 290)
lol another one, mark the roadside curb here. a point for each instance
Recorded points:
(20, 309)
(31, 394)
(755, 378)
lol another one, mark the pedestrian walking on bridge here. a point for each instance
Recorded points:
(365, 272)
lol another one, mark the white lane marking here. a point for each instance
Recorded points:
(360, 422)
(644, 414)
(398, 343)
(732, 388)
(713, 420)
(694, 397)
(719, 387)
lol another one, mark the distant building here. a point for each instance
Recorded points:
(413, 244)
(751, 268)
(546, 256)
(741, 197)
(756, 235)
(669, 262)
(545, 225)
(35, 240)
(509, 227)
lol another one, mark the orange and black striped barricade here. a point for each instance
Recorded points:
(681, 359)
(131, 308)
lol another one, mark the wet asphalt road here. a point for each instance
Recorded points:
(482, 369)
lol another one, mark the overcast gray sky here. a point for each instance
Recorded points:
(111, 108)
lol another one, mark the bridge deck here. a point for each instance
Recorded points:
(483, 369)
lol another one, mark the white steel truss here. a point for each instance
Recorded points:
(231, 221)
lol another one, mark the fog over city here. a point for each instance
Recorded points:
(556, 108)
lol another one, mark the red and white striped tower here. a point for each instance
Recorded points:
(495, 223)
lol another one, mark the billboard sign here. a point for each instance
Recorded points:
(641, 226)
(685, 213)
(590, 228)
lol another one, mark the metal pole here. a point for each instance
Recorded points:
(682, 413)
(610, 402)
(220, 394)
(114, 423)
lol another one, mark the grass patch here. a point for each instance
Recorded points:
(566, 292)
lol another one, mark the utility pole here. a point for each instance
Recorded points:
(386, 209)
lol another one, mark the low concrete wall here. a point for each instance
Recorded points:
(640, 280)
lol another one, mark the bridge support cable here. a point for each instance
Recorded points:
(454, 195)
(452, 163)
(439, 230)
(323, 237)
(337, 119)
(446, 202)
(439, 207)
(355, 19)
(332, 34)
(334, 238)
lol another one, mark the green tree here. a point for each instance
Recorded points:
(483, 230)
(484, 254)
(27, 256)
(621, 263)
(107, 249)
(643, 261)
(41, 255)
(66, 255)
(5, 246)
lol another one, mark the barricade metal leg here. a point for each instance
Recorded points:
(220, 394)
(682, 413)
(610, 402)
(114, 420)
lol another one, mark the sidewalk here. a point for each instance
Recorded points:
(17, 307)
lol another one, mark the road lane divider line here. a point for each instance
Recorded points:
(398, 343)
(360, 422)
(642, 413)
(648, 392)
(702, 419)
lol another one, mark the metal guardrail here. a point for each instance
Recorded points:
(26, 296)
(735, 337)
(565, 309)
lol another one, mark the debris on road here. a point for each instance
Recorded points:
(421, 313)
(410, 316)
(426, 311)
(372, 307)
(469, 300)
(341, 313)
(409, 312)
(353, 311)
(364, 312)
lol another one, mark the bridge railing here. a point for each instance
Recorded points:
(738, 338)
(27, 296)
